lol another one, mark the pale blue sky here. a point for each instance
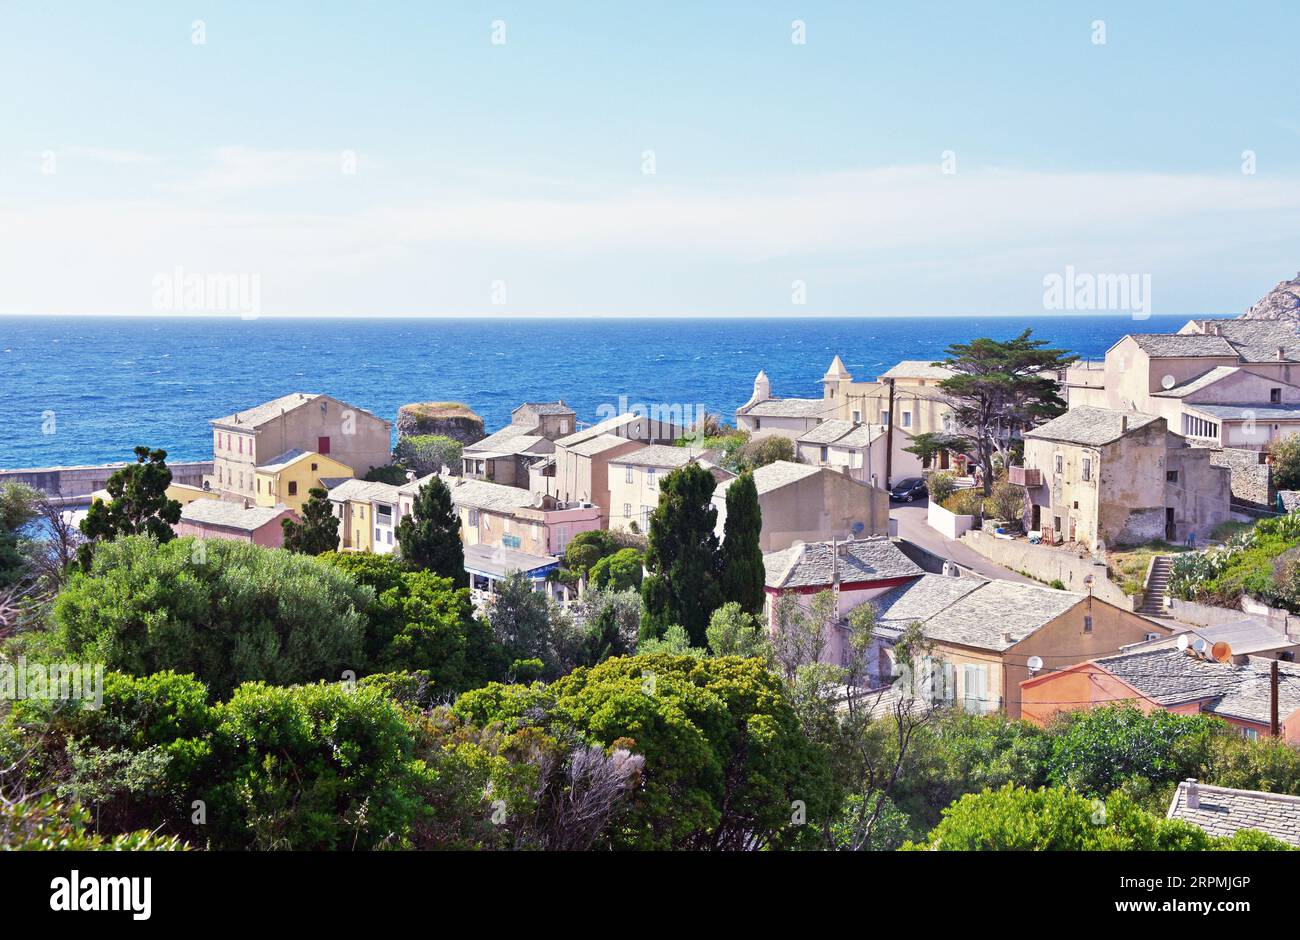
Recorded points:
(516, 170)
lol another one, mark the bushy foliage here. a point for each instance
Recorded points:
(1284, 454)
(587, 548)
(1018, 819)
(724, 754)
(429, 453)
(621, 571)
(318, 532)
(965, 502)
(1257, 562)
(1007, 503)
(428, 537)
(941, 485)
(226, 611)
(1095, 750)
(45, 825)
(764, 451)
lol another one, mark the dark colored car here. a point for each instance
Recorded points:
(909, 490)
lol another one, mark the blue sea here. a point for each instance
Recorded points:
(77, 390)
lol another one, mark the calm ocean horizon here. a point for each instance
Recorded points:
(86, 390)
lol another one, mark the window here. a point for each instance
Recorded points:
(758, 424)
(1087, 623)
(313, 468)
(1171, 476)
(627, 474)
(293, 487)
(627, 510)
(1060, 464)
(241, 445)
(378, 536)
(1275, 396)
(1151, 636)
(322, 445)
(1087, 469)
(384, 514)
(907, 419)
(390, 537)
(974, 688)
(650, 474)
(949, 690)
(884, 417)
(857, 417)
(825, 452)
(564, 425)
(473, 517)
(1250, 734)
(259, 485)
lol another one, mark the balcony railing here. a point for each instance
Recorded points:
(1025, 476)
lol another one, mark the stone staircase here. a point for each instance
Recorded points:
(1153, 595)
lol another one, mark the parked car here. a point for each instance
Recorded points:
(909, 490)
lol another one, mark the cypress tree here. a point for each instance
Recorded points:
(742, 560)
(683, 560)
(319, 530)
(430, 535)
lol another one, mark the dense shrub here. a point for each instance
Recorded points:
(226, 611)
(620, 571)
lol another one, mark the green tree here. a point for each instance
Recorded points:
(1284, 455)
(764, 451)
(1096, 750)
(930, 444)
(743, 575)
(319, 530)
(429, 536)
(429, 453)
(138, 505)
(225, 611)
(1002, 387)
(682, 557)
(522, 618)
(587, 548)
(733, 631)
(18, 507)
(620, 571)
(1016, 819)
(725, 758)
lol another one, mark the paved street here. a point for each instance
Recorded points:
(912, 526)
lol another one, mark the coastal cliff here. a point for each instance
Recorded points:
(448, 418)
(1281, 303)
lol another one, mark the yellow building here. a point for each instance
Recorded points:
(367, 514)
(286, 479)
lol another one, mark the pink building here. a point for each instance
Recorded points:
(221, 519)
(855, 570)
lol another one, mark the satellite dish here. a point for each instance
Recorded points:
(1183, 641)
(1035, 663)
(1168, 382)
(1222, 652)
(1199, 645)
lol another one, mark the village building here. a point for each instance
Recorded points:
(1224, 811)
(508, 517)
(855, 571)
(368, 515)
(1242, 639)
(1100, 477)
(984, 636)
(763, 416)
(243, 441)
(1220, 382)
(867, 452)
(634, 481)
(223, 519)
(1182, 681)
(505, 456)
(287, 479)
(578, 471)
(802, 503)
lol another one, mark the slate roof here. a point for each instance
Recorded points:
(1258, 340)
(600, 428)
(546, 408)
(1289, 500)
(228, 514)
(828, 432)
(973, 613)
(283, 460)
(787, 408)
(1222, 811)
(812, 564)
(864, 434)
(1174, 677)
(1247, 410)
(511, 439)
(665, 456)
(258, 415)
(1091, 427)
(917, 369)
(361, 490)
(1245, 636)
(1183, 345)
(1204, 380)
(775, 475)
(598, 444)
(480, 494)
(412, 487)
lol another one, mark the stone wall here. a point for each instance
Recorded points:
(1048, 564)
(1252, 481)
(447, 418)
(80, 482)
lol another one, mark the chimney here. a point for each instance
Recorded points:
(1123, 424)
(1006, 637)
(1281, 354)
(410, 476)
(1214, 328)
(1192, 794)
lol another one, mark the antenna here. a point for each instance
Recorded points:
(1199, 645)
(1034, 663)
(1222, 652)
(1183, 642)
(1168, 382)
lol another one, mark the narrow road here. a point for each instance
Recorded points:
(912, 526)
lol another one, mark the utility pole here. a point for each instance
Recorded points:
(889, 438)
(1272, 700)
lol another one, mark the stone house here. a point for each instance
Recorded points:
(1099, 476)
(243, 441)
(508, 517)
(634, 481)
(986, 637)
(1223, 811)
(802, 503)
(287, 479)
(224, 519)
(867, 452)
(763, 416)
(1185, 682)
(505, 456)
